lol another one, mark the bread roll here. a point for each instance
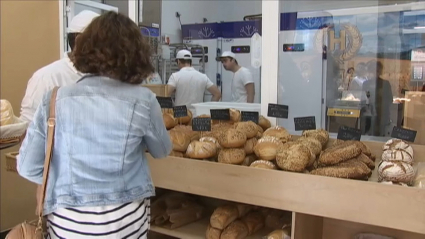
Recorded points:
(201, 150)
(313, 144)
(278, 219)
(398, 172)
(266, 147)
(398, 144)
(263, 164)
(211, 140)
(249, 128)
(213, 233)
(235, 115)
(232, 138)
(279, 234)
(249, 145)
(7, 115)
(180, 140)
(169, 120)
(232, 156)
(339, 153)
(260, 132)
(264, 122)
(236, 230)
(223, 216)
(176, 154)
(254, 221)
(397, 155)
(243, 209)
(293, 157)
(278, 132)
(186, 119)
(351, 169)
(319, 134)
(249, 159)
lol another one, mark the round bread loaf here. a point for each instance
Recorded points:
(235, 115)
(232, 138)
(7, 115)
(278, 132)
(313, 144)
(250, 144)
(260, 132)
(398, 144)
(232, 156)
(249, 159)
(400, 155)
(180, 140)
(319, 134)
(223, 216)
(177, 154)
(399, 172)
(236, 230)
(294, 159)
(201, 150)
(211, 140)
(267, 147)
(254, 221)
(264, 122)
(263, 164)
(169, 120)
(213, 233)
(249, 128)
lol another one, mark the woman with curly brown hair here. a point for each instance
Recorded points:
(99, 182)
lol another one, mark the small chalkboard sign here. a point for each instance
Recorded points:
(305, 123)
(348, 133)
(165, 102)
(201, 124)
(278, 111)
(220, 114)
(404, 134)
(180, 111)
(250, 116)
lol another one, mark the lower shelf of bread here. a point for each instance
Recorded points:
(196, 230)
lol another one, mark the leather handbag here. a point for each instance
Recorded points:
(34, 230)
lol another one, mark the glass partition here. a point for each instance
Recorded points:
(350, 63)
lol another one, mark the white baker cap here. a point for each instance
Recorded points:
(80, 21)
(184, 54)
(228, 54)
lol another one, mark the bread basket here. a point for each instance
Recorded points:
(10, 134)
(11, 162)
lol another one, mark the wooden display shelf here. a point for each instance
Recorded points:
(390, 206)
(196, 230)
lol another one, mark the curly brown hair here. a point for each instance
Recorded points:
(113, 46)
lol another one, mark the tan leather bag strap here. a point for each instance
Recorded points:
(51, 122)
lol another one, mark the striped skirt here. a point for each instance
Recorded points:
(129, 220)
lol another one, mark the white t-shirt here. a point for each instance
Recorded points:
(59, 73)
(241, 78)
(190, 86)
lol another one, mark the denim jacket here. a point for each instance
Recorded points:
(103, 127)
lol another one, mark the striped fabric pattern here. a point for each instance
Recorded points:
(129, 220)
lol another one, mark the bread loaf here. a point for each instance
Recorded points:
(176, 154)
(180, 140)
(236, 230)
(7, 115)
(249, 145)
(201, 150)
(266, 147)
(339, 153)
(366, 160)
(278, 132)
(276, 219)
(365, 149)
(186, 119)
(397, 155)
(169, 120)
(235, 115)
(213, 233)
(319, 134)
(243, 209)
(279, 234)
(211, 140)
(263, 164)
(223, 216)
(260, 132)
(398, 144)
(249, 159)
(293, 157)
(264, 122)
(232, 138)
(249, 128)
(399, 172)
(351, 169)
(313, 144)
(254, 221)
(232, 156)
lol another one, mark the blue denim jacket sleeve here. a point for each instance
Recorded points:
(31, 156)
(157, 138)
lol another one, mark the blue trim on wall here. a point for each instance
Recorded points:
(243, 29)
(150, 31)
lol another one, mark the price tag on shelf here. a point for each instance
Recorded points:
(305, 123)
(404, 134)
(165, 102)
(278, 111)
(201, 124)
(220, 114)
(180, 111)
(250, 116)
(348, 133)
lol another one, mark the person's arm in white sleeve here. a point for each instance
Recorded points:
(249, 86)
(157, 138)
(172, 84)
(215, 92)
(36, 88)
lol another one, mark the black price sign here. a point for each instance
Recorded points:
(250, 116)
(404, 134)
(278, 111)
(180, 111)
(201, 124)
(305, 123)
(165, 102)
(220, 114)
(348, 133)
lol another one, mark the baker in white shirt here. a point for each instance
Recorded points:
(243, 89)
(59, 73)
(189, 84)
